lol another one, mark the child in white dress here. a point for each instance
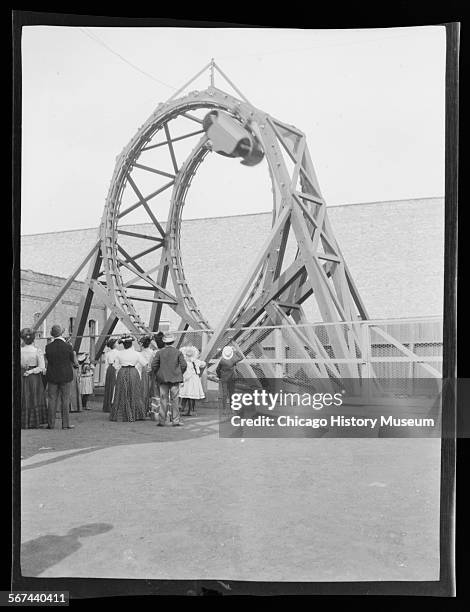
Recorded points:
(87, 371)
(191, 387)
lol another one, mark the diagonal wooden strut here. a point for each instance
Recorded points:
(86, 299)
(50, 307)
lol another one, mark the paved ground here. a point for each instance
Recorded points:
(138, 501)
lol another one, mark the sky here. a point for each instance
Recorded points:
(371, 103)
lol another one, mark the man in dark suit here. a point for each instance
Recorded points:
(59, 374)
(168, 366)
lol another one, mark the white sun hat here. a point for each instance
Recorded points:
(227, 352)
(192, 352)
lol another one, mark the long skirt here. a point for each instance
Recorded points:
(75, 395)
(127, 404)
(109, 383)
(148, 388)
(33, 402)
(86, 384)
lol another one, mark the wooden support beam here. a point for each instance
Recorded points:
(85, 301)
(144, 203)
(151, 282)
(146, 199)
(296, 337)
(289, 128)
(277, 288)
(298, 164)
(149, 299)
(309, 171)
(147, 251)
(192, 118)
(182, 327)
(172, 140)
(162, 280)
(154, 170)
(50, 307)
(234, 87)
(327, 301)
(352, 286)
(136, 278)
(253, 271)
(309, 331)
(128, 259)
(105, 334)
(171, 149)
(280, 254)
(288, 305)
(282, 141)
(143, 236)
(310, 198)
(139, 287)
(191, 80)
(103, 296)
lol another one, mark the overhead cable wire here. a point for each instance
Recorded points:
(121, 57)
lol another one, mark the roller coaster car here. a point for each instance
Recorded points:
(231, 139)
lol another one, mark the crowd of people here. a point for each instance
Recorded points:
(159, 381)
(56, 380)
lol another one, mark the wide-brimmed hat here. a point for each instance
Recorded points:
(190, 351)
(82, 356)
(168, 338)
(26, 332)
(126, 338)
(227, 352)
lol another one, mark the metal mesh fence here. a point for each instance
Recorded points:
(400, 354)
(364, 349)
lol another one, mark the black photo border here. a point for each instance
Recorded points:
(146, 589)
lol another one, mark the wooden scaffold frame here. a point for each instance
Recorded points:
(275, 289)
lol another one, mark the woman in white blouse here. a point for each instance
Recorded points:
(33, 396)
(110, 379)
(146, 375)
(128, 404)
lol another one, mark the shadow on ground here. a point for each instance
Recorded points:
(94, 431)
(40, 554)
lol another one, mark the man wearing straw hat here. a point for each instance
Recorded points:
(226, 373)
(168, 366)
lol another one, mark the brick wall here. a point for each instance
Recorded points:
(37, 290)
(395, 251)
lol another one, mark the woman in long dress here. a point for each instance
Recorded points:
(110, 379)
(75, 394)
(146, 375)
(191, 387)
(128, 404)
(33, 396)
